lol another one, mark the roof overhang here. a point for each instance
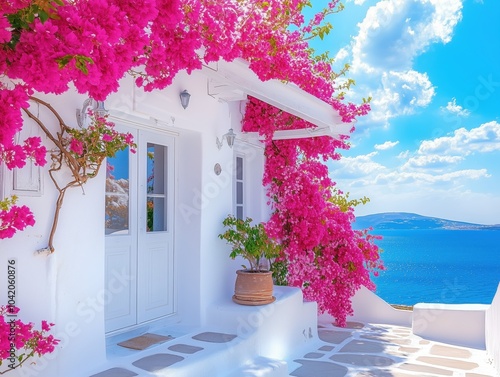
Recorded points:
(235, 80)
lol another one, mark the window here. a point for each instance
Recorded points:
(156, 188)
(117, 193)
(239, 188)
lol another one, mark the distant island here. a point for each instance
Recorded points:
(403, 220)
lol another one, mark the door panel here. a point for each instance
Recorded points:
(139, 232)
(156, 269)
(121, 286)
(156, 281)
(121, 240)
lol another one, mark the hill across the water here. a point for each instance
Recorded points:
(403, 220)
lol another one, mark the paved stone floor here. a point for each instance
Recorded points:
(387, 351)
(358, 350)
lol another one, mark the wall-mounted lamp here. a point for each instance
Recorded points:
(185, 96)
(230, 136)
(97, 107)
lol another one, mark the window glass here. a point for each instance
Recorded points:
(239, 212)
(239, 188)
(239, 193)
(155, 213)
(239, 168)
(117, 193)
(156, 183)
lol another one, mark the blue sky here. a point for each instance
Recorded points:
(431, 144)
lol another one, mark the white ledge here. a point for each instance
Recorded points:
(285, 96)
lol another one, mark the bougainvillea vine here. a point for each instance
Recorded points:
(323, 254)
(17, 335)
(92, 44)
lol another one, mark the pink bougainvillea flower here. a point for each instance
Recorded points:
(76, 146)
(23, 336)
(92, 44)
(35, 150)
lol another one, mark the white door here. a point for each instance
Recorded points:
(139, 232)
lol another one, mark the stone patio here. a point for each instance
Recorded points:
(364, 350)
(359, 350)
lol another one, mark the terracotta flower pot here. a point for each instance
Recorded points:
(253, 288)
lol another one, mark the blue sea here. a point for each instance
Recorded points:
(444, 266)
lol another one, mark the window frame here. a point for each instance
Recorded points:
(237, 180)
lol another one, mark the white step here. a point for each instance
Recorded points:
(262, 367)
(277, 329)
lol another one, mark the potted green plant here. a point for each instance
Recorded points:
(254, 284)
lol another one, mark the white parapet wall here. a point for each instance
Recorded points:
(468, 325)
(370, 308)
(459, 324)
(277, 330)
(492, 330)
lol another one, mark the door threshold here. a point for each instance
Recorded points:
(159, 327)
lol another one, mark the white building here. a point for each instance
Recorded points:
(102, 280)
(105, 280)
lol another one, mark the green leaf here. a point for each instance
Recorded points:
(43, 16)
(62, 62)
(30, 17)
(81, 66)
(305, 4)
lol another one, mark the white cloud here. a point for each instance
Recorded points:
(445, 176)
(400, 93)
(355, 167)
(341, 55)
(435, 162)
(448, 15)
(394, 32)
(431, 162)
(455, 109)
(391, 36)
(436, 202)
(357, 2)
(386, 145)
(483, 139)
(403, 155)
(403, 177)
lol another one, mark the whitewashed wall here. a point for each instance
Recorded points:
(205, 271)
(492, 332)
(67, 287)
(369, 308)
(440, 322)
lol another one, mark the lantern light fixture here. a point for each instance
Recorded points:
(185, 96)
(230, 137)
(97, 108)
